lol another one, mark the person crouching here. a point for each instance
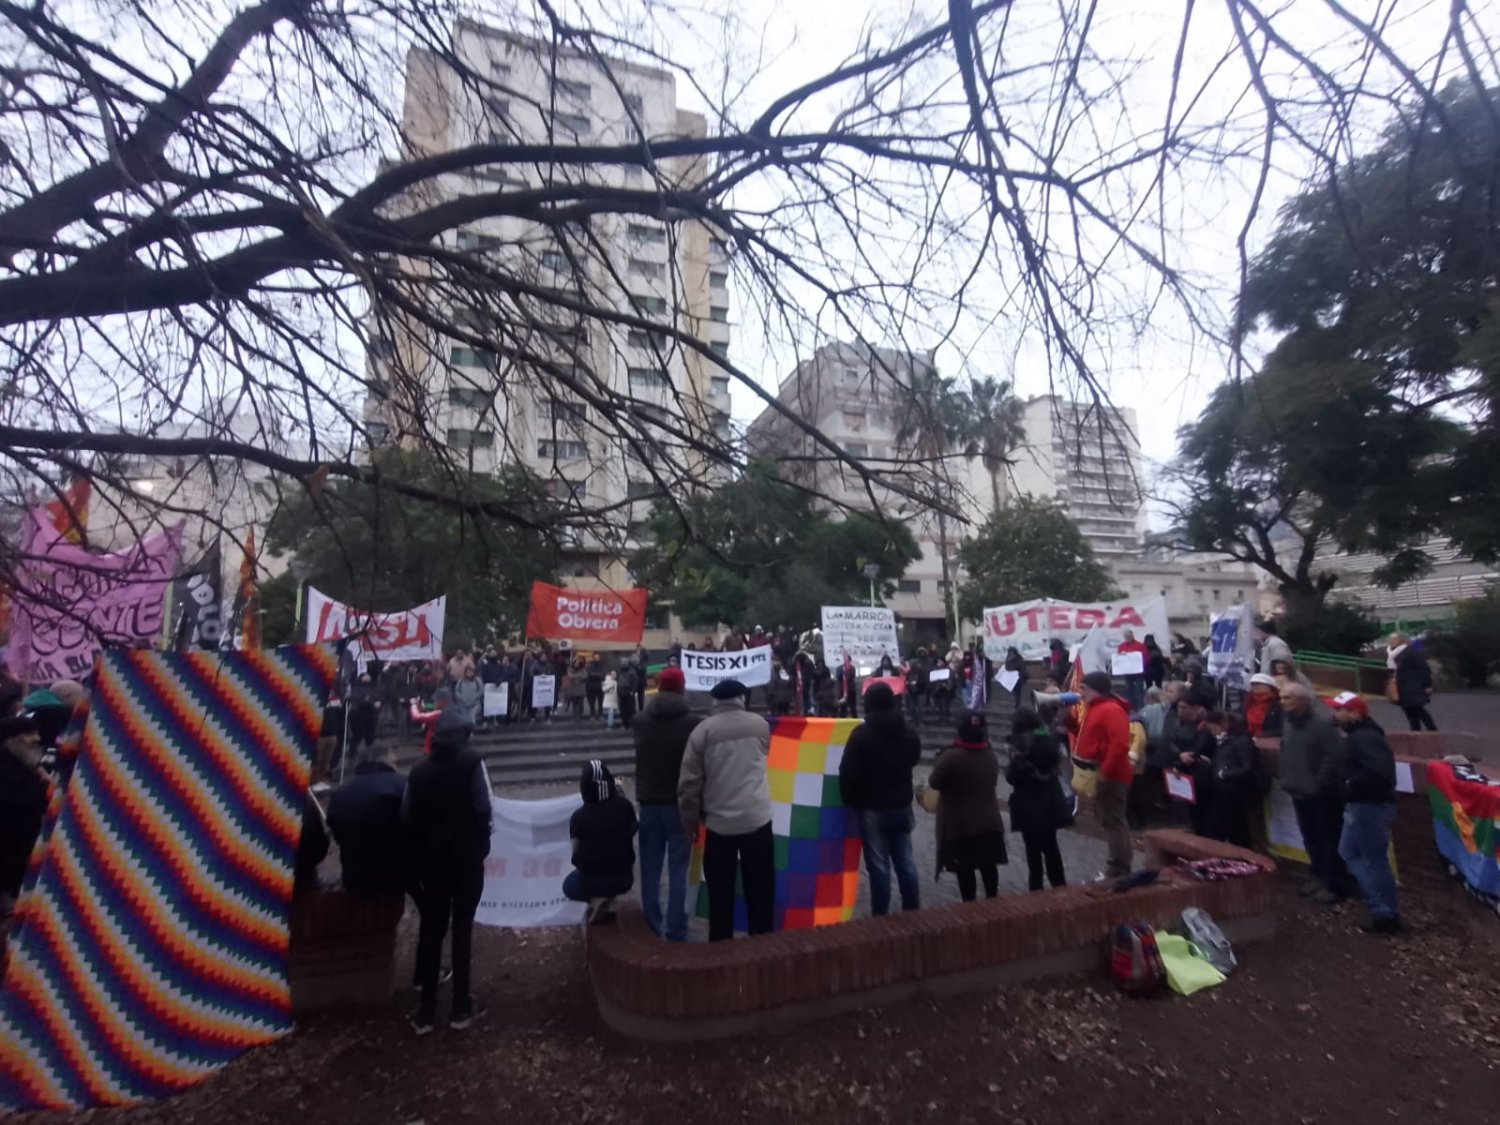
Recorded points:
(603, 833)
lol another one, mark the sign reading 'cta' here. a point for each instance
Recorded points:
(608, 616)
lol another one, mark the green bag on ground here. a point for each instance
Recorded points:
(1188, 971)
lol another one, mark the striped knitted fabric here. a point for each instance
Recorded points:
(153, 938)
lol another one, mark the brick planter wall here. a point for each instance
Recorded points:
(343, 948)
(654, 989)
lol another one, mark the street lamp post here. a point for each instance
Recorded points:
(872, 572)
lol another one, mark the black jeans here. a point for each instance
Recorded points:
(1419, 718)
(447, 893)
(753, 856)
(989, 873)
(1321, 820)
(1042, 851)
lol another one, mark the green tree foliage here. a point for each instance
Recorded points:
(372, 547)
(761, 553)
(1470, 647)
(1030, 549)
(1335, 626)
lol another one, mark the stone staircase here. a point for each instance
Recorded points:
(551, 752)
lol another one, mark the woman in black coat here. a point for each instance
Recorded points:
(1037, 805)
(1413, 676)
(1233, 788)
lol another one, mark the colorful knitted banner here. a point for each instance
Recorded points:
(153, 937)
(1466, 824)
(816, 837)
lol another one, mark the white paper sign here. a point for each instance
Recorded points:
(1403, 778)
(530, 855)
(1180, 786)
(702, 670)
(864, 633)
(543, 692)
(496, 700)
(938, 675)
(1008, 678)
(1127, 664)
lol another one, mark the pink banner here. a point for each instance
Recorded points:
(71, 603)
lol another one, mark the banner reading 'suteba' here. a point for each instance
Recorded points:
(702, 670)
(602, 616)
(1031, 626)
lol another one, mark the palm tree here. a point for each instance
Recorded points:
(994, 429)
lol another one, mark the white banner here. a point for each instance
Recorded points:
(543, 692)
(1029, 626)
(702, 670)
(530, 855)
(1127, 664)
(496, 700)
(863, 633)
(1231, 656)
(408, 634)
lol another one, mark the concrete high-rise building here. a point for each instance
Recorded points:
(512, 404)
(1093, 469)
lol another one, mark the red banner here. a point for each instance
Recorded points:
(603, 616)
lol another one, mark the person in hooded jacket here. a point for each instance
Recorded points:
(603, 835)
(1412, 676)
(875, 781)
(446, 809)
(1037, 805)
(661, 734)
(1232, 788)
(1104, 740)
(970, 830)
(364, 713)
(1369, 780)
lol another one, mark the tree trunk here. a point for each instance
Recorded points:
(996, 500)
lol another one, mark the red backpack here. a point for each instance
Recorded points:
(1135, 963)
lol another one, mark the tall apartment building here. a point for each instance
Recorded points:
(1093, 470)
(503, 407)
(857, 397)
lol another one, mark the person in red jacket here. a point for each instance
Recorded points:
(1104, 739)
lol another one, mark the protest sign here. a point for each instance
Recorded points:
(863, 633)
(1180, 787)
(702, 670)
(197, 620)
(496, 700)
(543, 692)
(406, 634)
(558, 614)
(1127, 664)
(1029, 626)
(897, 684)
(530, 856)
(1231, 655)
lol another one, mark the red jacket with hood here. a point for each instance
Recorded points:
(1105, 738)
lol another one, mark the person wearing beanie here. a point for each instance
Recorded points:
(1369, 779)
(970, 830)
(875, 781)
(661, 735)
(1104, 741)
(603, 834)
(1263, 707)
(725, 787)
(446, 808)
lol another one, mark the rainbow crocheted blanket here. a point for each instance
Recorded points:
(152, 938)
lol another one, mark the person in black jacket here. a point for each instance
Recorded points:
(364, 815)
(1232, 784)
(1186, 746)
(1413, 677)
(446, 808)
(603, 834)
(1369, 811)
(661, 734)
(23, 801)
(875, 780)
(1037, 805)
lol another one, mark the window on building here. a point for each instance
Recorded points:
(909, 586)
(719, 313)
(633, 103)
(378, 432)
(499, 175)
(577, 124)
(656, 306)
(718, 385)
(574, 491)
(578, 91)
(656, 616)
(467, 316)
(647, 378)
(642, 489)
(720, 348)
(643, 268)
(381, 347)
(645, 338)
(499, 108)
(719, 279)
(635, 175)
(554, 260)
(856, 449)
(500, 70)
(472, 357)
(473, 398)
(645, 232)
(854, 420)
(718, 247)
(562, 450)
(566, 413)
(470, 439)
(473, 241)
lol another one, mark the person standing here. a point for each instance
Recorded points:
(364, 713)
(1015, 662)
(661, 734)
(848, 688)
(1263, 707)
(446, 808)
(1413, 678)
(1058, 665)
(468, 696)
(875, 781)
(916, 686)
(1104, 740)
(1037, 805)
(970, 831)
(23, 801)
(1270, 647)
(1232, 787)
(726, 788)
(364, 815)
(1369, 811)
(1312, 774)
(629, 675)
(1135, 682)
(593, 686)
(611, 698)
(1156, 663)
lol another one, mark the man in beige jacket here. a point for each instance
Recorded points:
(724, 786)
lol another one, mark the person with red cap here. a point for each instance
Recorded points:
(661, 734)
(1369, 811)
